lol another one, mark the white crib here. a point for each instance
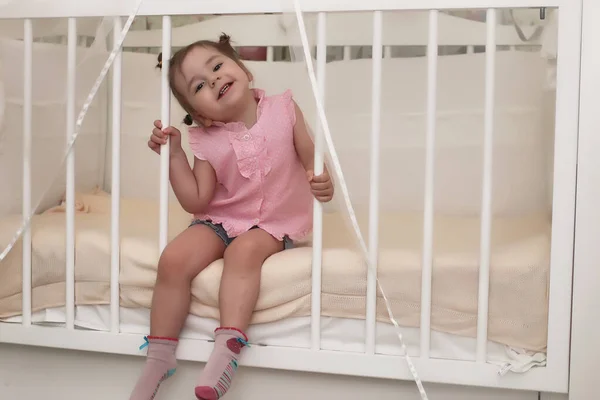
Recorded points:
(315, 337)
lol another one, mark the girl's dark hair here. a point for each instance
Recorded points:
(223, 46)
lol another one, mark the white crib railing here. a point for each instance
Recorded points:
(27, 139)
(100, 8)
(374, 180)
(427, 264)
(116, 183)
(70, 191)
(165, 112)
(318, 209)
(553, 377)
(486, 198)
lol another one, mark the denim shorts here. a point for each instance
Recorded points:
(220, 231)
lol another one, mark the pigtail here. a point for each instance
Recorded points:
(159, 64)
(225, 46)
(188, 120)
(224, 39)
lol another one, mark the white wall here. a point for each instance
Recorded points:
(28, 373)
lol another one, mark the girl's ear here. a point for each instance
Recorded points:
(205, 122)
(248, 73)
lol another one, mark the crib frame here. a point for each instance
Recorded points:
(552, 378)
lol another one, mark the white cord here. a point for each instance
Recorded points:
(344, 188)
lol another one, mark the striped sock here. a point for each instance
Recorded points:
(160, 365)
(219, 371)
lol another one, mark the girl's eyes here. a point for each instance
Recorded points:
(200, 85)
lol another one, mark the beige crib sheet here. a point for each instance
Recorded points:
(518, 301)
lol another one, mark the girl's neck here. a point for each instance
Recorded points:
(248, 110)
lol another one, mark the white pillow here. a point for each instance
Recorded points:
(520, 178)
(48, 124)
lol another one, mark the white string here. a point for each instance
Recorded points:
(82, 113)
(342, 185)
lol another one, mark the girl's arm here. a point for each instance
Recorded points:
(194, 188)
(305, 147)
(322, 185)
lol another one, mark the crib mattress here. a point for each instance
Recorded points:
(519, 270)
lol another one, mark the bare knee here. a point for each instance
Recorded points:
(188, 254)
(248, 251)
(244, 251)
(174, 265)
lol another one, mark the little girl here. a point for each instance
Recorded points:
(250, 190)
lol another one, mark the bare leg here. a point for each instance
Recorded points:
(240, 282)
(181, 261)
(184, 258)
(238, 294)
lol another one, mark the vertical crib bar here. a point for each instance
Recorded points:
(371, 317)
(486, 206)
(116, 183)
(388, 51)
(347, 52)
(318, 209)
(270, 54)
(165, 119)
(432, 60)
(70, 195)
(27, 106)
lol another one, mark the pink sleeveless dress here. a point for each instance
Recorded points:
(260, 179)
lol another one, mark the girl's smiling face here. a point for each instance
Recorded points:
(214, 86)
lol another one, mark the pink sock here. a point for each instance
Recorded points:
(160, 365)
(219, 371)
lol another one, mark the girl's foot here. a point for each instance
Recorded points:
(219, 371)
(160, 365)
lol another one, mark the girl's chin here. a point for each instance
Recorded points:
(236, 97)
